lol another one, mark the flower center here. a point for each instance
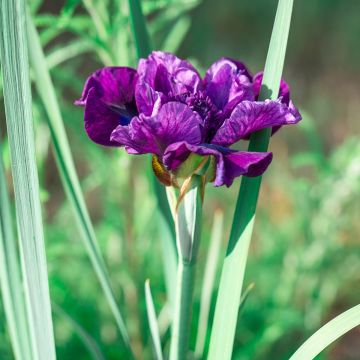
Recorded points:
(125, 111)
(203, 105)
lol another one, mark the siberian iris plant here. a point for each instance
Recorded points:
(188, 123)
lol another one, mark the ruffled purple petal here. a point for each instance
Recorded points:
(108, 97)
(175, 122)
(227, 82)
(229, 163)
(284, 96)
(251, 116)
(167, 76)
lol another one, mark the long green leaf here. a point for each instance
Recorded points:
(233, 271)
(154, 328)
(10, 277)
(328, 334)
(139, 29)
(17, 98)
(68, 173)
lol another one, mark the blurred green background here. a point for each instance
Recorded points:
(305, 254)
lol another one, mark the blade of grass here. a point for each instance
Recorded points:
(18, 110)
(68, 173)
(208, 283)
(154, 328)
(89, 343)
(138, 26)
(232, 276)
(10, 277)
(328, 334)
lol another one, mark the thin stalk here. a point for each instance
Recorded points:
(232, 276)
(19, 122)
(188, 233)
(182, 311)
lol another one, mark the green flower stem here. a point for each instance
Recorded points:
(188, 230)
(183, 311)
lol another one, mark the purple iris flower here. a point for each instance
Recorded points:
(166, 109)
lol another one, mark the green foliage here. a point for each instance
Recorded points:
(303, 260)
(19, 121)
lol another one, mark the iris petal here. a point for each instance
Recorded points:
(108, 97)
(174, 122)
(251, 116)
(227, 82)
(229, 163)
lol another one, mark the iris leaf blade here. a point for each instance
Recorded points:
(229, 295)
(327, 334)
(19, 121)
(10, 277)
(154, 328)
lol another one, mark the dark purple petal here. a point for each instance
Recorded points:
(166, 74)
(251, 116)
(114, 85)
(108, 97)
(175, 122)
(229, 163)
(100, 120)
(227, 82)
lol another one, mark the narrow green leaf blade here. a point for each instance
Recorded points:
(154, 329)
(10, 277)
(328, 334)
(68, 173)
(17, 98)
(139, 29)
(228, 301)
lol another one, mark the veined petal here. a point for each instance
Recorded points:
(175, 122)
(229, 163)
(251, 116)
(227, 82)
(148, 101)
(108, 97)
